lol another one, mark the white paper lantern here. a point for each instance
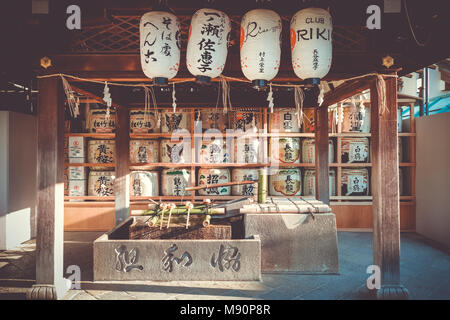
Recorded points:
(160, 45)
(311, 45)
(260, 45)
(208, 44)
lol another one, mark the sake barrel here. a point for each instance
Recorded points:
(175, 181)
(244, 175)
(356, 118)
(284, 121)
(355, 150)
(246, 121)
(355, 182)
(285, 150)
(175, 152)
(144, 183)
(308, 120)
(246, 150)
(101, 151)
(309, 182)
(212, 151)
(214, 176)
(309, 151)
(172, 121)
(98, 123)
(143, 122)
(144, 151)
(211, 119)
(287, 182)
(101, 183)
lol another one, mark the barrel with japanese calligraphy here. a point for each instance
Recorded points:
(356, 118)
(309, 151)
(144, 151)
(174, 182)
(98, 121)
(244, 175)
(285, 150)
(355, 150)
(143, 122)
(355, 182)
(144, 183)
(211, 120)
(101, 183)
(247, 150)
(173, 121)
(214, 176)
(287, 182)
(309, 182)
(101, 151)
(308, 120)
(284, 121)
(213, 151)
(175, 152)
(245, 121)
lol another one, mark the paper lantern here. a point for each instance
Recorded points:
(260, 45)
(311, 46)
(160, 45)
(207, 44)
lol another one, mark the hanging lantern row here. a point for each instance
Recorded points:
(260, 45)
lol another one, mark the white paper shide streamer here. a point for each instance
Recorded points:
(160, 45)
(207, 47)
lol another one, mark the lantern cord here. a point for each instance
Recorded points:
(299, 97)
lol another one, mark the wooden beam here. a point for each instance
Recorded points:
(385, 190)
(346, 90)
(321, 154)
(50, 283)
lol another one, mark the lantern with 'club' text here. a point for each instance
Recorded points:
(260, 45)
(311, 45)
(207, 47)
(160, 45)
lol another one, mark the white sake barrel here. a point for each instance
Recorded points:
(175, 181)
(309, 182)
(284, 121)
(175, 152)
(355, 182)
(212, 151)
(144, 151)
(101, 151)
(309, 151)
(144, 183)
(356, 118)
(101, 183)
(141, 122)
(97, 122)
(172, 121)
(287, 182)
(214, 176)
(285, 150)
(246, 150)
(245, 121)
(355, 150)
(244, 175)
(210, 119)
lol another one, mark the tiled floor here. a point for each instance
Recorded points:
(424, 272)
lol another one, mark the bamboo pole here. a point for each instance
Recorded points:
(226, 184)
(207, 221)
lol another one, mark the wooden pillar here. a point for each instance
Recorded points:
(122, 158)
(50, 283)
(385, 191)
(321, 145)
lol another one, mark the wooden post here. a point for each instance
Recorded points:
(122, 158)
(321, 145)
(385, 190)
(50, 283)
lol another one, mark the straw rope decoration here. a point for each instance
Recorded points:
(299, 97)
(70, 97)
(381, 90)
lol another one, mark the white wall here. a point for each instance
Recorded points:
(433, 177)
(410, 85)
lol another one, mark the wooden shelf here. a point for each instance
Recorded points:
(106, 165)
(92, 135)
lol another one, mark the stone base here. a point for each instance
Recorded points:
(296, 242)
(49, 291)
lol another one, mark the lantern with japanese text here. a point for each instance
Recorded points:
(311, 45)
(207, 47)
(260, 45)
(160, 45)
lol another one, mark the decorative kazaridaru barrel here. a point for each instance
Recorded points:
(144, 183)
(245, 121)
(309, 182)
(355, 150)
(287, 182)
(140, 122)
(246, 150)
(101, 151)
(97, 121)
(144, 151)
(172, 121)
(175, 181)
(214, 176)
(285, 150)
(101, 183)
(309, 151)
(355, 182)
(356, 118)
(175, 152)
(284, 121)
(210, 120)
(213, 151)
(244, 175)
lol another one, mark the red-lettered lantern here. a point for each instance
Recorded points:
(311, 45)
(260, 45)
(208, 44)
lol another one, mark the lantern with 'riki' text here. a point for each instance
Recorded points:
(260, 45)
(311, 45)
(207, 47)
(160, 45)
